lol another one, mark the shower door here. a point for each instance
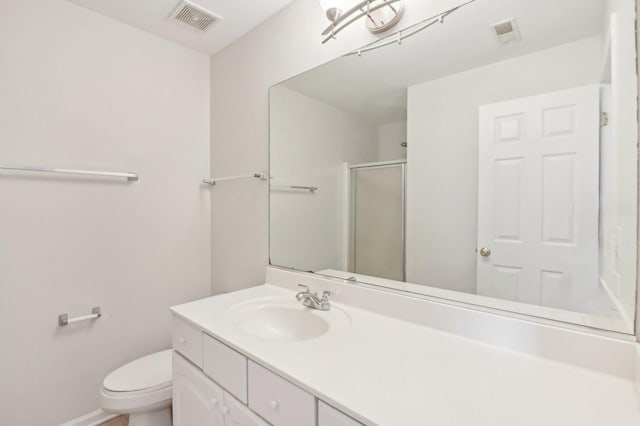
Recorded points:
(378, 220)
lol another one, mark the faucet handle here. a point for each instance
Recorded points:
(326, 294)
(303, 294)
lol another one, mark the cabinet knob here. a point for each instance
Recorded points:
(224, 410)
(182, 340)
(214, 401)
(274, 404)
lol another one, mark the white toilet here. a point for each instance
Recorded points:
(141, 389)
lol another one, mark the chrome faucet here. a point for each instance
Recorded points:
(311, 300)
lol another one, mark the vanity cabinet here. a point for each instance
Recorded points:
(214, 385)
(198, 401)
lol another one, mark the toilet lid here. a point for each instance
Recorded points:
(147, 372)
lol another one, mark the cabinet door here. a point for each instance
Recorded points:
(197, 400)
(239, 415)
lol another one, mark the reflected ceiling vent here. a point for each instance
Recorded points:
(187, 13)
(507, 31)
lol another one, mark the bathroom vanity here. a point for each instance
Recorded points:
(258, 357)
(469, 198)
(216, 384)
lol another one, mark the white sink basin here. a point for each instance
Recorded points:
(278, 319)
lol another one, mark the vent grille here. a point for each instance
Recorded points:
(194, 16)
(507, 31)
(504, 28)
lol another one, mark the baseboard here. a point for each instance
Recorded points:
(93, 418)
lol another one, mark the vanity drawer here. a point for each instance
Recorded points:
(226, 366)
(187, 339)
(329, 416)
(281, 403)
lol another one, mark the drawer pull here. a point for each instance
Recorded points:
(214, 401)
(182, 340)
(274, 404)
(224, 410)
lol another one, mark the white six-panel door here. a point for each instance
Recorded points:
(538, 198)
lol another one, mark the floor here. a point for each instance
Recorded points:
(118, 421)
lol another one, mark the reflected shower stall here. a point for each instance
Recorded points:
(377, 202)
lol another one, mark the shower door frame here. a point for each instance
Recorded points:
(351, 209)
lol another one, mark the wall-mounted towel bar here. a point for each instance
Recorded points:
(305, 188)
(258, 175)
(63, 319)
(129, 176)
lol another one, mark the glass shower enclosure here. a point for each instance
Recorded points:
(377, 219)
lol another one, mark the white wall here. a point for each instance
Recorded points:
(82, 91)
(607, 233)
(283, 46)
(310, 141)
(624, 131)
(390, 136)
(442, 166)
(638, 216)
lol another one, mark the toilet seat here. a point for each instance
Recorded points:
(148, 372)
(136, 401)
(141, 385)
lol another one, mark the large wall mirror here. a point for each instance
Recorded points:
(490, 159)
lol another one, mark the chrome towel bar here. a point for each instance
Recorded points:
(259, 175)
(131, 177)
(305, 188)
(63, 319)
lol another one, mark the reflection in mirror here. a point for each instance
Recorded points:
(489, 159)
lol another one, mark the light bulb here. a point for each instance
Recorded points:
(332, 8)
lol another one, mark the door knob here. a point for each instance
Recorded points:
(485, 252)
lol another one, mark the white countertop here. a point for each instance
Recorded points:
(384, 371)
(606, 318)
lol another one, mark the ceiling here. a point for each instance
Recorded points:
(238, 17)
(374, 85)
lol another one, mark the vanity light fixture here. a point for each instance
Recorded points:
(380, 15)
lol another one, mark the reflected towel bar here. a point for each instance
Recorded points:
(306, 188)
(259, 175)
(63, 319)
(131, 177)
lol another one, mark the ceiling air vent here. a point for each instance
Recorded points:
(194, 16)
(506, 31)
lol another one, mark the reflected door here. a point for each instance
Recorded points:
(377, 221)
(538, 199)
